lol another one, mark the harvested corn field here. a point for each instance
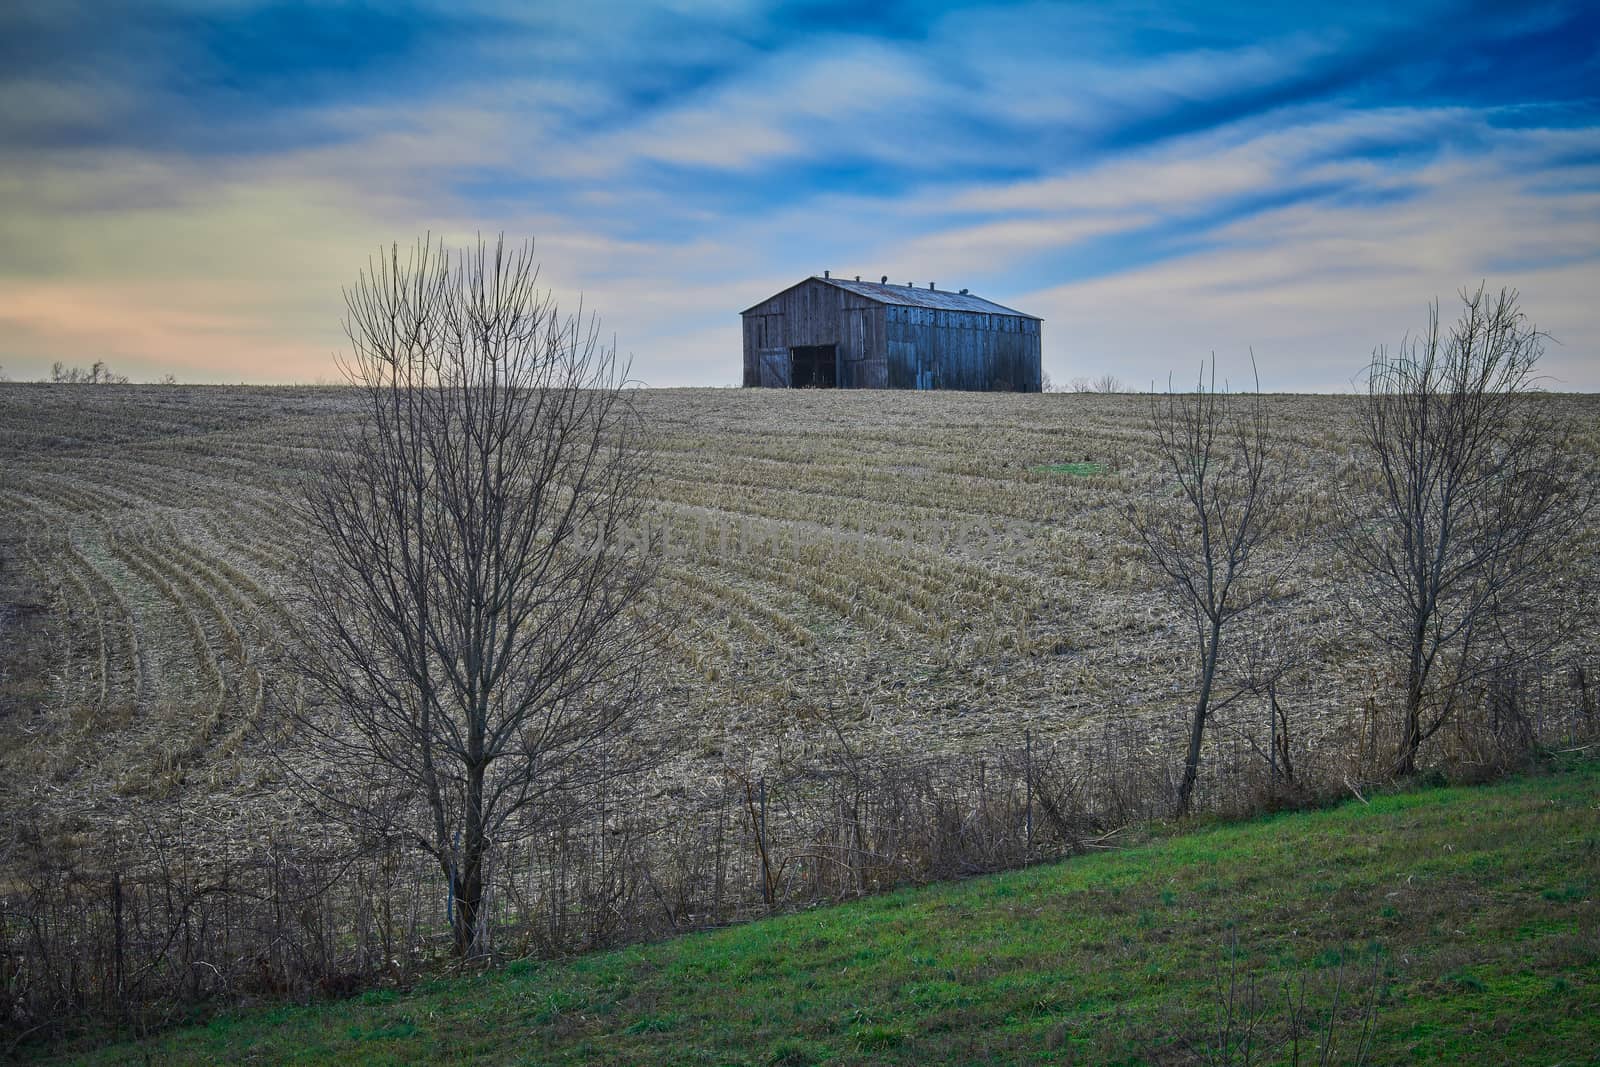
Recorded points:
(918, 572)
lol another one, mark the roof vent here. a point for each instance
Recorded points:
(963, 292)
(824, 274)
(930, 285)
(858, 277)
(885, 280)
(911, 285)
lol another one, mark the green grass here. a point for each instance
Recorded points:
(1466, 916)
(1077, 470)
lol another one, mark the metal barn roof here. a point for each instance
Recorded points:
(925, 298)
(910, 296)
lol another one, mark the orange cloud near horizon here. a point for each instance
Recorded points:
(199, 331)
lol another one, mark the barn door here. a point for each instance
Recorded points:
(775, 368)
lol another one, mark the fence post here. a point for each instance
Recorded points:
(1272, 736)
(720, 871)
(1538, 728)
(119, 936)
(1027, 745)
(761, 844)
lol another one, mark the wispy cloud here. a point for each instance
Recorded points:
(1313, 287)
(1155, 181)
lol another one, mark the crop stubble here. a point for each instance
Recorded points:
(903, 566)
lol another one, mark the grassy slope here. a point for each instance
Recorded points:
(1476, 908)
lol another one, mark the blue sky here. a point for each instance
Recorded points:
(184, 187)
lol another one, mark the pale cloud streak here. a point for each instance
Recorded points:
(1314, 288)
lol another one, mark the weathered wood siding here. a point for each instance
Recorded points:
(932, 349)
(887, 346)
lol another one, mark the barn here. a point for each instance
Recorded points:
(832, 333)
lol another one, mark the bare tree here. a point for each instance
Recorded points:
(1472, 487)
(98, 374)
(479, 561)
(1108, 383)
(1274, 646)
(1081, 385)
(1202, 538)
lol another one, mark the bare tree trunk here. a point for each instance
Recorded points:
(469, 874)
(1281, 764)
(1411, 727)
(1197, 722)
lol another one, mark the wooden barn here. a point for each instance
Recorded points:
(832, 333)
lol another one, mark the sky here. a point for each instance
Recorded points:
(186, 187)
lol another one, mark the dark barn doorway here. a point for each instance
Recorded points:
(814, 367)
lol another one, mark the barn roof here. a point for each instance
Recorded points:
(910, 296)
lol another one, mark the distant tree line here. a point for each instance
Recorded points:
(97, 373)
(1105, 383)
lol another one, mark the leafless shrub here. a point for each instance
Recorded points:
(1578, 678)
(1270, 653)
(1325, 1021)
(137, 935)
(1516, 707)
